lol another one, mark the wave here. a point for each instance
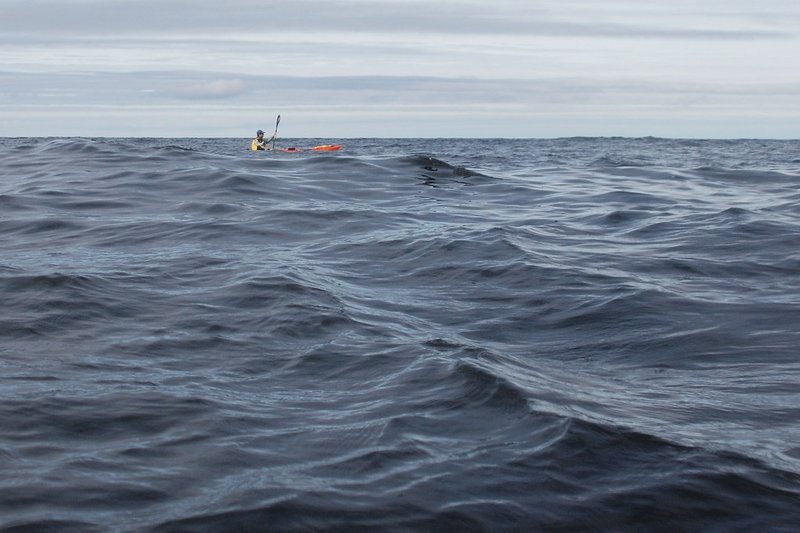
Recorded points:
(407, 334)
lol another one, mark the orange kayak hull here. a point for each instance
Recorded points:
(320, 148)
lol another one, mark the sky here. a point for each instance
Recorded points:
(400, 68)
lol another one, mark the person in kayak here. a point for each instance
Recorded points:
(259, 143)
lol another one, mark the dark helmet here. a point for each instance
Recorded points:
(259, 132)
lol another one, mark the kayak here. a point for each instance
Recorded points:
(319, 148)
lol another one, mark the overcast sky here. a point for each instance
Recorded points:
(400, 68)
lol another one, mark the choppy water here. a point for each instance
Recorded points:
(587, 334)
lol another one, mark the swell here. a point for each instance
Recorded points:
(49, 304)
(413, 334)
(581, 483)
(528, 468)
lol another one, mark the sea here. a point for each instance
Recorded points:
(577, 334)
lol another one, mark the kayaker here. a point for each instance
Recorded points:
(259, 143)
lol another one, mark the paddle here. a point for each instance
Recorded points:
(276, 131)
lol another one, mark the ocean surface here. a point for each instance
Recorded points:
(584, 334)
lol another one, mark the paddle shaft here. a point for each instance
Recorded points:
(274, 135)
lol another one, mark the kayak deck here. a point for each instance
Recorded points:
(319, 148)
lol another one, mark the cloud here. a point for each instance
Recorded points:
(384, 58)
(211, 89)
(174, 87)
(143, 19)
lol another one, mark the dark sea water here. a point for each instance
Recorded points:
(407, 335)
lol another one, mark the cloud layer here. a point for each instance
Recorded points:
(373, 68)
